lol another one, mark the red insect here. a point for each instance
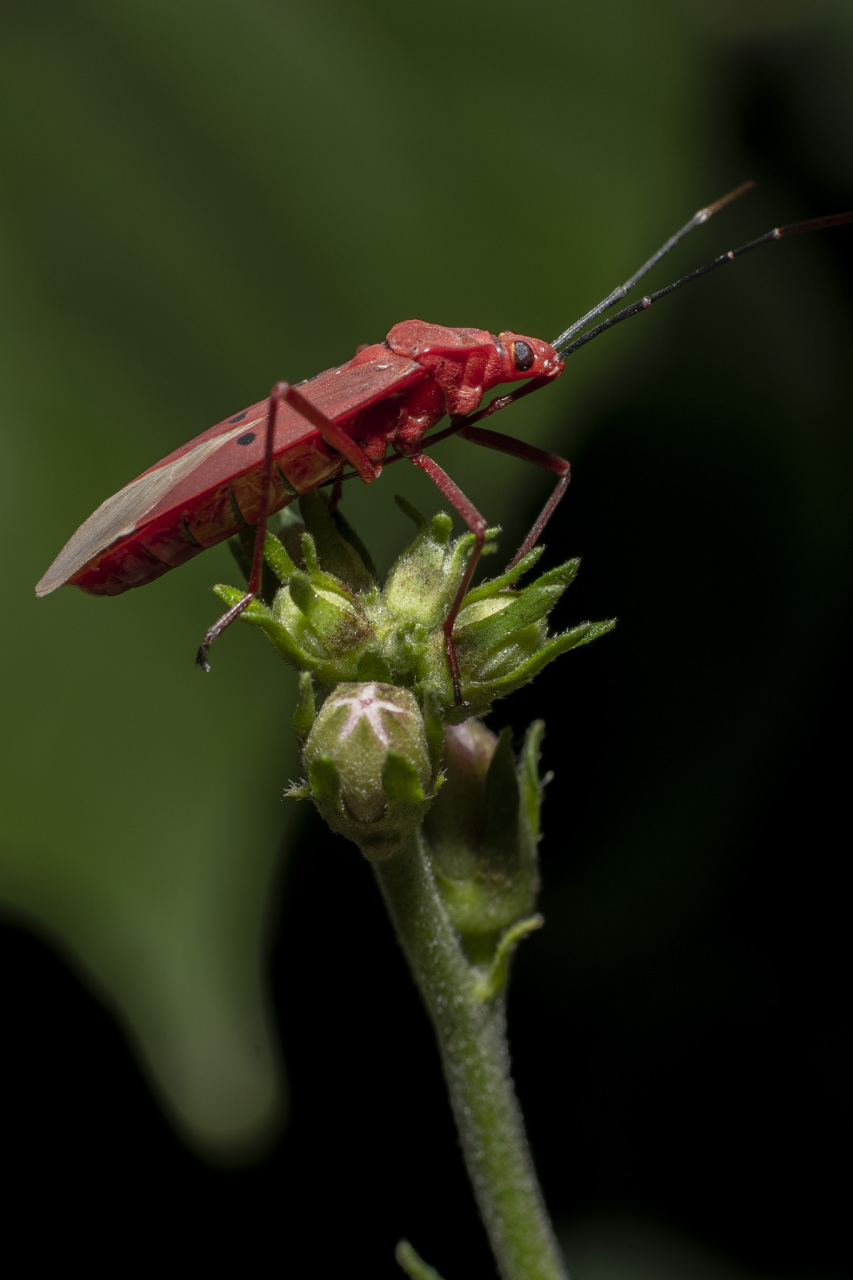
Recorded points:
(387, 397)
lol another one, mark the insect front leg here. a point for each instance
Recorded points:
(525, 453)
(334, 436)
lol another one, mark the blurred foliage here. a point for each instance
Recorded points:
(197, 200)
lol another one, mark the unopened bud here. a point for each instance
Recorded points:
(368, 764)
(483, 828)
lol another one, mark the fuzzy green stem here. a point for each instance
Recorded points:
(471, 1033)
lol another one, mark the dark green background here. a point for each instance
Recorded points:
(198, 199)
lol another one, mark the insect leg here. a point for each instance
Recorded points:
(499, 402)
(337, 439)
(476, 522)
(525, 453)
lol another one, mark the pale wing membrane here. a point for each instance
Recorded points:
(122, 514)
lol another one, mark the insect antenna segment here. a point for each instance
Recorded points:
(567, 343)
(621, 291)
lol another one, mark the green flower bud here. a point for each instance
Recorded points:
(422, 583)
(331, 619)
(322, 617)
(482, 831)
(369, 766)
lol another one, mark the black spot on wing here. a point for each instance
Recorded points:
(238, 417)
(246, 438)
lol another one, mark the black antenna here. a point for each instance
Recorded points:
(700, 216)
(566, 347)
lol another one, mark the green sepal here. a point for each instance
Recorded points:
(583, 633)
(527, 606)
(502, 809)
(276, 558)
(482, 846)
(493, 585)
(529, 778)
(325, 783)
(350, 536)
(434, 725)
(322, 624)
(413, 1264)
(335, 545)
(305, 590)
(417, 519)
(255, 612)
(277, 564)
(500, 686)
(495, 630)
(260, 616)
(563, 574)
(493, 982)
(407, 807)
(291, 526)
(305, 713)
(400, 782)
(372, 665)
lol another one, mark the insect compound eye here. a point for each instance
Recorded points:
(522, 356)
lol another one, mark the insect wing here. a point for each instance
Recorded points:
(190, 478)
(125, 511)
(377, 373)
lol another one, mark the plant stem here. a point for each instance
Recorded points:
(471, 1034)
